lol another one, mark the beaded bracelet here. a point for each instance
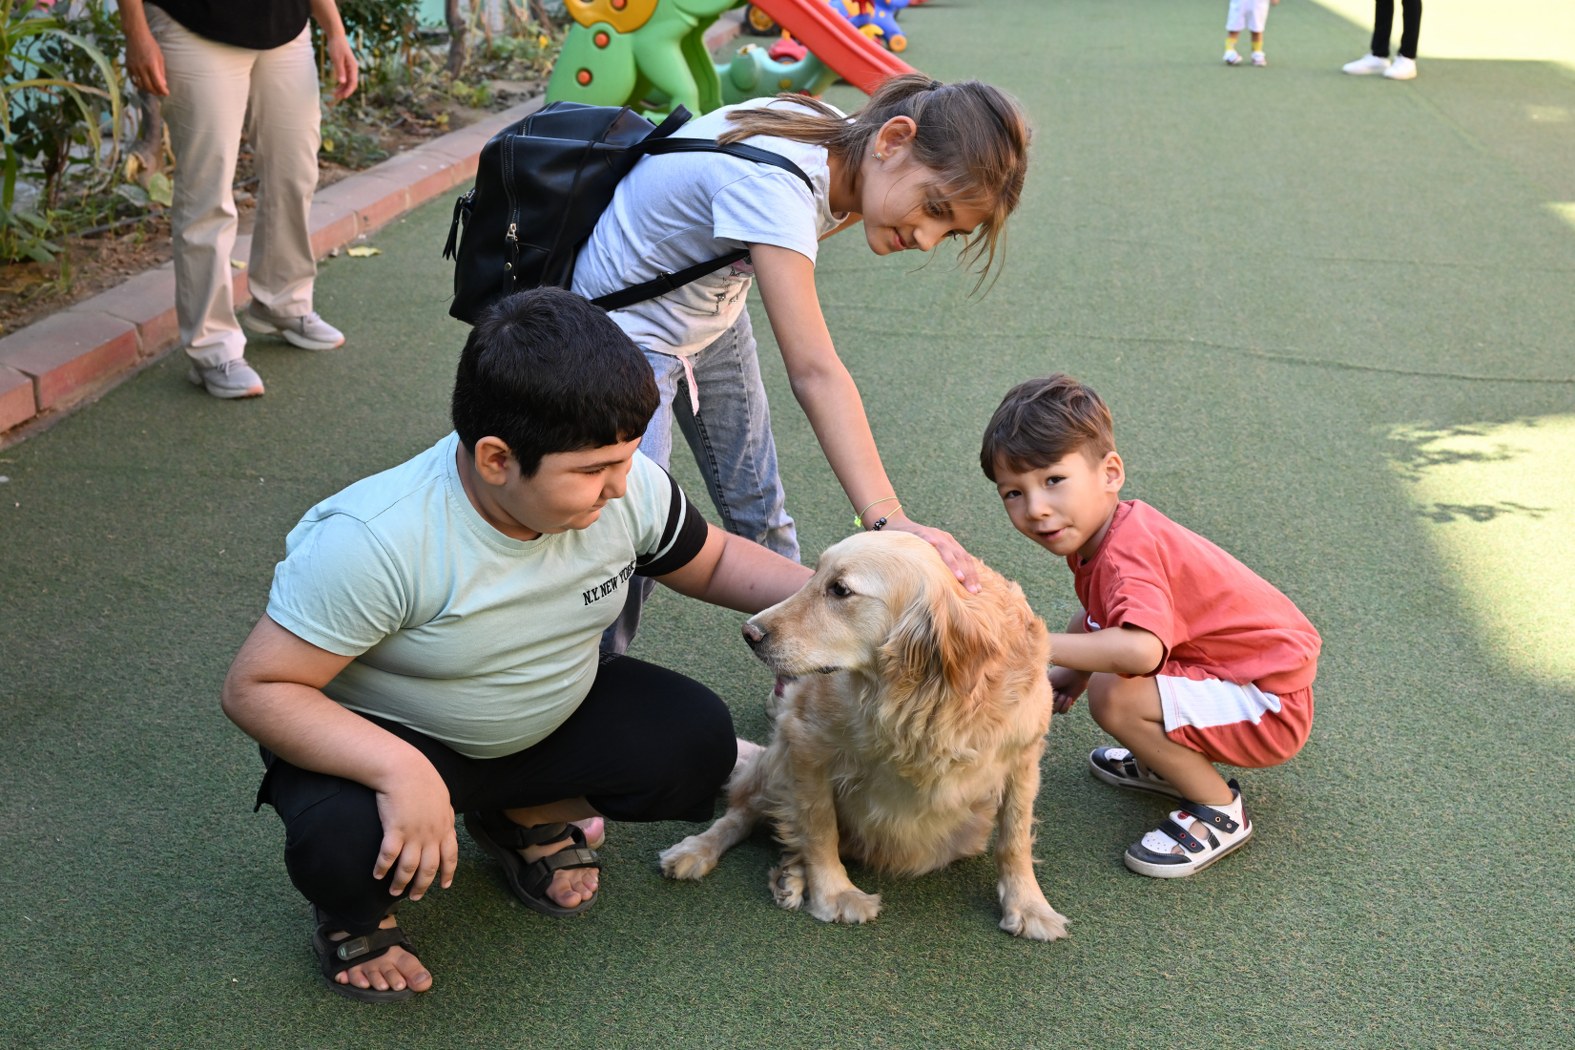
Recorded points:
(878, 525)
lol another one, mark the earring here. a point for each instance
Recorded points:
(880, 156)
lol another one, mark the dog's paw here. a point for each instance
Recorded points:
(787, 885)
(690, 859)
(851, 905)
(1036, 922)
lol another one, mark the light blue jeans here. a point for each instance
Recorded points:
(732, 444)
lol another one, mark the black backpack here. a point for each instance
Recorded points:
(540, 187)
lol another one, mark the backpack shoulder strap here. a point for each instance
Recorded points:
(655, 146)
(664, 283)
(657, 143)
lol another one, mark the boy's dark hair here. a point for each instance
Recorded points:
(545, 371)
(1043, 420)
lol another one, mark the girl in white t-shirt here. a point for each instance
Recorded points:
(922, 162)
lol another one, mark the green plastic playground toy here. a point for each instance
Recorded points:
(651, 55)
(648, 54)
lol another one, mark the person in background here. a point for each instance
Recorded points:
(1377, 59)
(224, 68)
(1251, 15)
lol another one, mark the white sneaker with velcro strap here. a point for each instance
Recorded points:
(1190, 839)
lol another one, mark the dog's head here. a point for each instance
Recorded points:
(884, 605)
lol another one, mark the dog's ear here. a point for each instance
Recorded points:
(940, 642)
(911, 653)
(972, 641)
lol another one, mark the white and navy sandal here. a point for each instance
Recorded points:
(1156, 855)
(1118, 766)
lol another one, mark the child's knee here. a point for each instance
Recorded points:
(332, 837)
(1104, 704)
(1116, 703)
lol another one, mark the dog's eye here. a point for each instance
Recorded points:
(838, 589)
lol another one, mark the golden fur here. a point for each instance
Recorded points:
(910, 723)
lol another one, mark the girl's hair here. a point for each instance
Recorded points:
(972, 135)
(1041, 421)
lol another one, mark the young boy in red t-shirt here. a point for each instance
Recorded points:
(1188, 656)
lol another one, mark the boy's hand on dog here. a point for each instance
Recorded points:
(1067, 685)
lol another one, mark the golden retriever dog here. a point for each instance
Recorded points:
(909, 720)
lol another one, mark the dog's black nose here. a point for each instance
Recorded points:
(753, 635)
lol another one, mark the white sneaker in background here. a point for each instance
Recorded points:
(1401, 69)
(1259, 58)
(1367, 65)
(1232, 58)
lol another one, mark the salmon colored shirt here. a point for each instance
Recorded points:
(1216, 617)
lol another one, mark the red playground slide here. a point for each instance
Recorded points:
(847, 52)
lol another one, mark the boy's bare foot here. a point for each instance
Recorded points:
(595, 829)
(570, 887)
(384, 976)
(393, 970)
(549, 867)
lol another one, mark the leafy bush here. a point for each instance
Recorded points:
(50, 116)
(57, 137)
(63, 105)
(383, 35)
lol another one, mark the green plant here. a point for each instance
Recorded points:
(158, 193)
(55, 137)
(344, 143)
(476, 96)
(383, 34)
(44, 61)
(527, 44)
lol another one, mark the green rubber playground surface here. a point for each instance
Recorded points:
(1332, 316)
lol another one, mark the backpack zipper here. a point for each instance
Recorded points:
(511, 239)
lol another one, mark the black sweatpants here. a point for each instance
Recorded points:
(646, 744)
(1410, 27)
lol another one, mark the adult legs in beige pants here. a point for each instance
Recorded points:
(216, 92)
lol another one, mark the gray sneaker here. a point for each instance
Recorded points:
(309, 331)
(228, 379)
